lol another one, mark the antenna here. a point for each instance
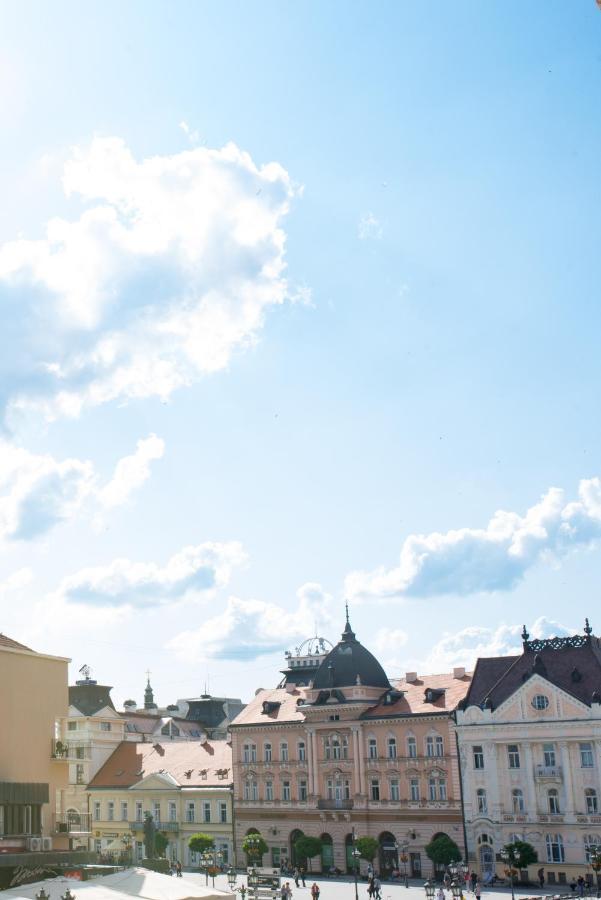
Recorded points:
(346, 608)
(85, 671)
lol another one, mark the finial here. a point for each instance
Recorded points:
(346, 608)
(525, 634)
(587, 628)
(147, 676)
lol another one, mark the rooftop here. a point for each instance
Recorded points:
(190, 764)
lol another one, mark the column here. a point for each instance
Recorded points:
(564, 749)
(362, 790)
(532, 805)
(315, 763)
(492, 780)
(356, 761)
(310, 761)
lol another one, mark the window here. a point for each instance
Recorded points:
(206, 811)
(156, 810)
(391, 748)
(411, 747)
(72, 726)
(590, 841)
(395, 789)
(442, 789)
(80, 753)
(139, 814)
(414, 789)
(372, 746)
(431, 788)
(549, 755)
(268, 790)
(79, 774)
(223, 813)
(172, 811)
(430, 746)
(553, 801)
(592, 806)
(439, 745)
(97, 811)
(539, 701)
(249, 753)
(478, 756)
(105, 726)
(517, 800)
(254, 790)
(284, 751)
(190, 811)
(481, 803)
(374, 788)
(302, 789)
(302, 751)
(267, 752)
(555, 851)
(286, 791)
(513, 753)
(124, 815)
(586, 756)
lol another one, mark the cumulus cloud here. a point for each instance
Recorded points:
(194, 569)
(493, 558)
(38, 492)
(168, 270)
(369, 228)
(250, 628)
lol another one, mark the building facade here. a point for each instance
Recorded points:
(337, 748)
(529, 730)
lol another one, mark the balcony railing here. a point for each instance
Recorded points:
(71, 751)
(548, 771)
(335, 804)
(70, 823)
(160, 826)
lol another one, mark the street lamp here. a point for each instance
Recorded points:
(68, 895)
(404, 859)
(242, 891)
(356, 856)
(231, 876)
(429, 889)
(42, 895)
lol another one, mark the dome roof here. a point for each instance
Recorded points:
(347, 662)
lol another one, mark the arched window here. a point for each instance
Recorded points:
(553, 800)
(517, 800)
(391, 748)
(592, 804)
(481, 803)
(411, 747)
(555, 851)
(590, 841)
(484, 838)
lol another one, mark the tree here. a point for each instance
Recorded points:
(520, 854)
(367, 847)
(161, 842)
(443, 851)
(149, 836)
(255, 847)
(307, 847)
(200, 843)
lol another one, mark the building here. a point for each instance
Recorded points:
(529, 730)
(336, 747)
(185, 785)
(33, 776)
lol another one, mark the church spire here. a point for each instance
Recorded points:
(348, 634)
(149, 694)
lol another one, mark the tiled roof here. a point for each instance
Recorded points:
(185, 761)
(5, 641)
(413, 700)
(286, 711)
(142, 722)
(90, 698)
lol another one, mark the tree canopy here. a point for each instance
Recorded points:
(443, 850)
(306, 847)
(161, 842)
(255, 846)
(200, 843)
(367, 847)
(521, 854)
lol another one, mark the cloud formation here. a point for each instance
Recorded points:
(124, 583)
(370, 228)
(493, 558)
(38, 492)
(250, 628)
(168, 270)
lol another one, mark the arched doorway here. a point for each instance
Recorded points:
(388, 857)
(294, 836)
(486, 857)
(327, 852)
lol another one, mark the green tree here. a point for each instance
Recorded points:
(520, 854)
(367, 847)
(200, 843)
(161, 842)
(307, 847)
(443, 851)
(255, 847)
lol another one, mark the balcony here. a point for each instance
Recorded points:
(335, 804)
(548, 773)
(70, 751)
(160, 826)
(71, 823)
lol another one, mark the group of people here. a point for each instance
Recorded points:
(299, 875)
(176, 869)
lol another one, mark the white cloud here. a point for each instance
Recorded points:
(194, 569)
(17, 581)
(493, 558)
(369, 228)
(250, 628)
(38, 492)
(169, 269)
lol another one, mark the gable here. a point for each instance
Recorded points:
(527, 703)
(156, 781)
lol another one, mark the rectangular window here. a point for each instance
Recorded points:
(124, 811)
(395, 790)
(414, 789)
(439, 746)
(591, 802)
(302, 751)
(267, 751)
(478, 756)
(411, 747)
(139, 816)
(190, 811)
(206, 811)
(110, 811)
(249, 753)
(442, 789)
(105, 726)
(429, 746)
(431, 788)
(223, 813)
(286, 790)
(80, 753)
(172, 811)
(268, 790)
(72, 726)
(284, 751)
(156, 810)
(513, 754)
(375, 789)
(391, 748)
(372, 748)
(79, 774)
(302, 790)
(549, 755)
(97, 811)
(586, 756)
(254, 790)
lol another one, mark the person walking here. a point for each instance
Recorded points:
(473, 880)
(296, 875)
(315, 891)
(477, 890)
(178, 869)
(580, 882)
(377, 888)
(370, 887)
(541, 877)
(302, 875)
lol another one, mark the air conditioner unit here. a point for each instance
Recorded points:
(46, 843)
(34, 843)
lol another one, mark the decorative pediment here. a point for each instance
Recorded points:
(156, 781)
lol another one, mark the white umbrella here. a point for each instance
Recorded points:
(136, 882)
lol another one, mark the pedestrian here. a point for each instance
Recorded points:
(477, 890)
(440, 893)
(573, 885)
(288, 891)
(377, 888)
(302, 875)
(178, 869)
(581, 883)
(446, 880)
(283, 893)
(296, 875)
(315, 891)
(370, 887)
(473, 880)
(541, 877)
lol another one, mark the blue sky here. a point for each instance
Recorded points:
(391, 332)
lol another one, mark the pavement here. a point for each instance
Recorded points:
(343, 888)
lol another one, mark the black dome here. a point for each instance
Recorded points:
(347, 660)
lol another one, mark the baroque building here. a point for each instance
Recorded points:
(529, 730)
(336, 748)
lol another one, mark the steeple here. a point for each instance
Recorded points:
(348, 634)
(149, 694)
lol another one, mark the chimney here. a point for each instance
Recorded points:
(459, 672)
(411, 677)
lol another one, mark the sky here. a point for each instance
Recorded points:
(299, 304)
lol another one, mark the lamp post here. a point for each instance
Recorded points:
(242, 891)
(429, 889)
(404, 859)
(42, 895)
(231, 877)
(68, 895)
(356, 856)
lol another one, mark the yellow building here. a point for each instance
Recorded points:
(186, 786)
